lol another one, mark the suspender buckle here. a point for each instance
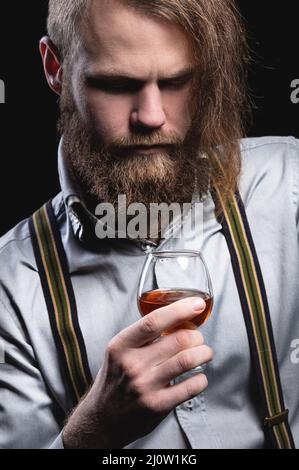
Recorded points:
(276, 419)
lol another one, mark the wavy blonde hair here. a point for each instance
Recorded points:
(217, 34)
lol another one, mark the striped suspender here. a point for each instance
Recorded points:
(59, 295)
(256, 313)
(61, 304)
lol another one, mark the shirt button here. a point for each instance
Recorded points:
(189, 404)
(146, 247)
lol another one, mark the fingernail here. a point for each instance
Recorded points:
(198, 305)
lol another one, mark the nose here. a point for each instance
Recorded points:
(148, 109)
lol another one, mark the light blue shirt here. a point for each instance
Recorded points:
(33, 397)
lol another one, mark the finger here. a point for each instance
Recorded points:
(168, 346)
(169, 398)
(181, 363)
(151, 326)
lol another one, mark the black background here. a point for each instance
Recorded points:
(28, 139)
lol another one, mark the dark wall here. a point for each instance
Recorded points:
(28, 140)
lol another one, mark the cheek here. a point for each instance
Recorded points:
(178, 111)
(108, 115)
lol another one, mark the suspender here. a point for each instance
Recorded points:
(56, 283)
(59, 295)
(256, 313)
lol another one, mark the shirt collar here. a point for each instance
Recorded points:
(81, 218)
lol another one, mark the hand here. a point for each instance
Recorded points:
(132, 393)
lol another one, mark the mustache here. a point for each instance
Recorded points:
(154, 139)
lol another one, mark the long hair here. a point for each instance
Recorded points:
(219, 95)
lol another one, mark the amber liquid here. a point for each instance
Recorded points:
(154, 299)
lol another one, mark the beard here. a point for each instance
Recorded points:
(105, 171)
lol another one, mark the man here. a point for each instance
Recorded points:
(151, 96)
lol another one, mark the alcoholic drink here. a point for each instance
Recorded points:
(150, 301)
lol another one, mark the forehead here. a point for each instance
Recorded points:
(118, 36)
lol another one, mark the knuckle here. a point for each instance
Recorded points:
(184, 361)
(113, 349)
(195, 387)
(139, 386)
(149, 324)
(131, 368)
(184, 339)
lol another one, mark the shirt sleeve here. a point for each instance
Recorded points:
(30, 417)
(58, 443)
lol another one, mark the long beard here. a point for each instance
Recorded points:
(105, 172)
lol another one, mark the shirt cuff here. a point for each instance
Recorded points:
(58, 443)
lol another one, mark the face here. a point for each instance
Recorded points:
(126, 108)
(133, 74)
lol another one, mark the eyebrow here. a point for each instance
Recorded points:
(117, 76)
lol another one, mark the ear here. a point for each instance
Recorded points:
(51, 63)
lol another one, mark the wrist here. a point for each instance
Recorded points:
(84, 428)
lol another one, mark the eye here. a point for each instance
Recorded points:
(114, 86)
(174, 84)
(126, 87)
